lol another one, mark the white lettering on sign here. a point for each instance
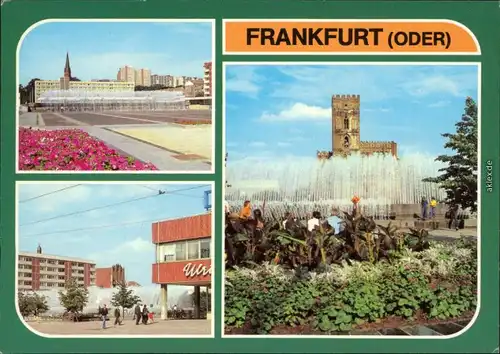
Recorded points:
(192, 270)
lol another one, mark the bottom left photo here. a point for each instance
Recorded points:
(115, 258)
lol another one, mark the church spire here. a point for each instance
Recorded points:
(67, 67)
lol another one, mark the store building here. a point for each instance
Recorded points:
(183, 256)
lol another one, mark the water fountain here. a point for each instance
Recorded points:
(149, 295)
(303, 184)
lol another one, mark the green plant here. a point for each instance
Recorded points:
(124, 297)
(439, 282)
(31, 304)
(73, 298)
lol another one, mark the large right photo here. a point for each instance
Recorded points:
(351, 199)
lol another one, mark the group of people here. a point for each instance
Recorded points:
(428, 211)
(140, 315)
(334, 221)
(428, 208)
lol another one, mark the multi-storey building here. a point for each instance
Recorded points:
(110, 277)
(67, 82)
(143, 77)
(207, 79)
(183, 255)
(162, 80)
(38, 271)
(126, 74)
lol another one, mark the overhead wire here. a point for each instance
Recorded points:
(49, 193)
(159, 192)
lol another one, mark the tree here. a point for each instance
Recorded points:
(74, 298)
(124, 297)
(31, 304)
(459, 177)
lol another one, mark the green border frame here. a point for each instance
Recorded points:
(479, 16)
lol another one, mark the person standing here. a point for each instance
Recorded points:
(433, 205)
(424, 205)
(104, 316)
(453, 217)
(137, 314)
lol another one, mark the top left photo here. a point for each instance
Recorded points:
(116, 96)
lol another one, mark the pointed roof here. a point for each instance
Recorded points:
(67, 67)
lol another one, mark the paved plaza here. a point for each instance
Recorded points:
(155, 137)
(128, 327)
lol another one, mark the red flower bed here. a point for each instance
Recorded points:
(71, 149)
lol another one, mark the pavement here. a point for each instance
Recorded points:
(148, 136)
(128, 327)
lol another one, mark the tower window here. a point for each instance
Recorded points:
(346, 123)
(346, 141)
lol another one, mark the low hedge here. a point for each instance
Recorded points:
(439, 283)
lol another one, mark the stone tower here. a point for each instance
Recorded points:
(67, 75)
(345, 124)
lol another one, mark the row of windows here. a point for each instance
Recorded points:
(183, 250)
(47, 261)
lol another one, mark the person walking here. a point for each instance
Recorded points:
(104, 316)
(145, 315)
(118, 316)
(137, 313)
(151, 314)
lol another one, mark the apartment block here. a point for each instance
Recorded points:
(207, 79)
(37, 271)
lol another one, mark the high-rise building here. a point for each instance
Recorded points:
(38, 271)
(143, 77)
(126, 74)
(67, 82)
(178, 81)
(110, 277)
(207, 79)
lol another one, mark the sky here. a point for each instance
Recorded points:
(280, 110)
(129, 245)
(98, 49)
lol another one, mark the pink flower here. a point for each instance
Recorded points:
(71, 149)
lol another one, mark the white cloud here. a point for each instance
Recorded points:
(298, 112)
(243, 79)
(438, 104)
(454, 85)
(284, 144)
(257, 144)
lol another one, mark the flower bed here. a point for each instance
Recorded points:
(71, 149)
(438, 283)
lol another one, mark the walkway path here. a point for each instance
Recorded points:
(92, 328)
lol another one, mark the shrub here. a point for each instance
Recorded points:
(439, 282)
(70, 149)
